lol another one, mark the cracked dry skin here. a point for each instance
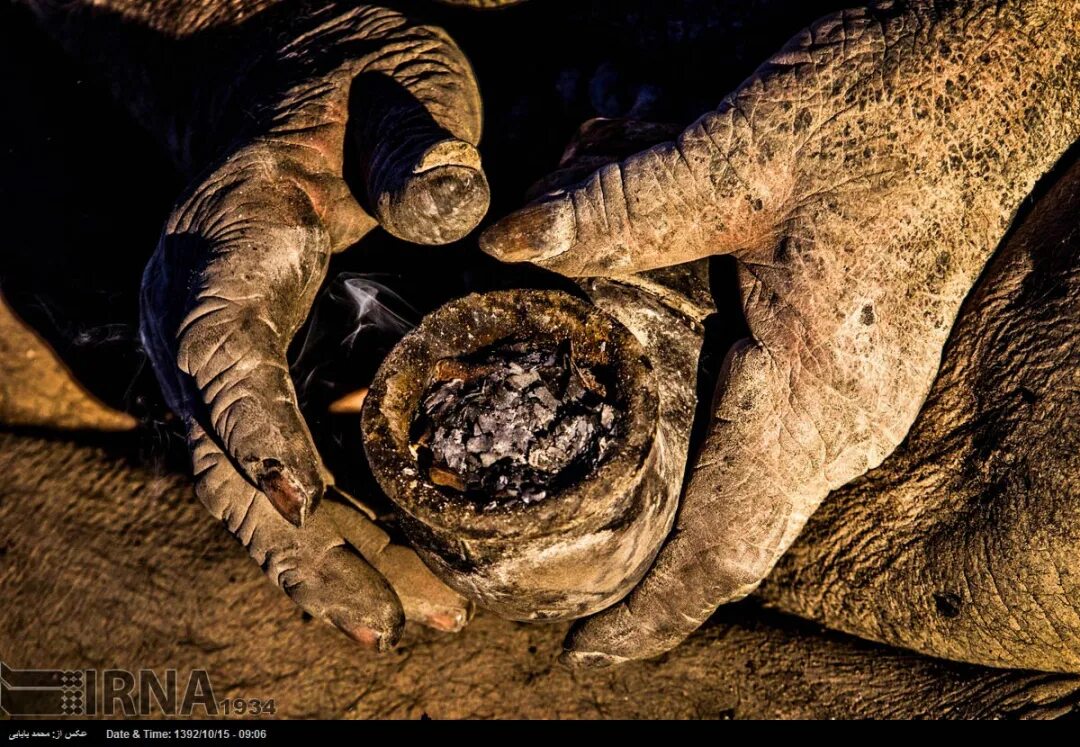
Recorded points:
(138, 552)
(514, 423)
(321, 122)
(90, 532)
(77, 517)
(861, 178)
(964, 543)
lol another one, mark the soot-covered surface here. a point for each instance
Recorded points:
(514, 423)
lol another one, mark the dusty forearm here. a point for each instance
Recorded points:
(922, 135)
(958, 114)
(949, 107)
(862, 176)
(962, 543)
(995, 86)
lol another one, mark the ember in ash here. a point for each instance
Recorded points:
(515, 422)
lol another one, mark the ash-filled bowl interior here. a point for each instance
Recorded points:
(514, 423)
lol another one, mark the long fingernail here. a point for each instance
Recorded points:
(589, 660)
(532, 234)
(288, 496)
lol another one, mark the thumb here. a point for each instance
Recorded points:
(705, 193)
(415, 121)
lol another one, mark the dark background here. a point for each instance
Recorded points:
(84, 191)
(83, 195)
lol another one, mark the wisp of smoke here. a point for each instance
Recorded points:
(104, 334)
(371, 311)
(352, 306)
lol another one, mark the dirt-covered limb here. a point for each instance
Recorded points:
(86, 535)
(963, 544)
(325, 121)
(244, 253)
(179, 594)
(862, 177)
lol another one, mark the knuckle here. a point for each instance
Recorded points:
(283, 565)
(204, 333)
(282, 551)
(216, 486)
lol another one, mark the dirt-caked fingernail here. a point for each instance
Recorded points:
(368, 637)
(285, 492)
(532, 234)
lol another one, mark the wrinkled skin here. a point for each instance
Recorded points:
(861, 177)
(872, 623)
(323, 92)
(256, 236)
(139, 553)
(91, 532)
(963, 544)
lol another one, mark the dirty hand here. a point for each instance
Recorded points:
(861, 177)
(367, 94)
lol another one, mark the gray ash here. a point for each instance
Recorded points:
(515, 422)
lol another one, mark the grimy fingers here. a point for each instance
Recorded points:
(319, 571)
(245, 251)
(851, 298)
(232, 280)
(758, 477)
(415, 120)
(425, 598)
(711, 191)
